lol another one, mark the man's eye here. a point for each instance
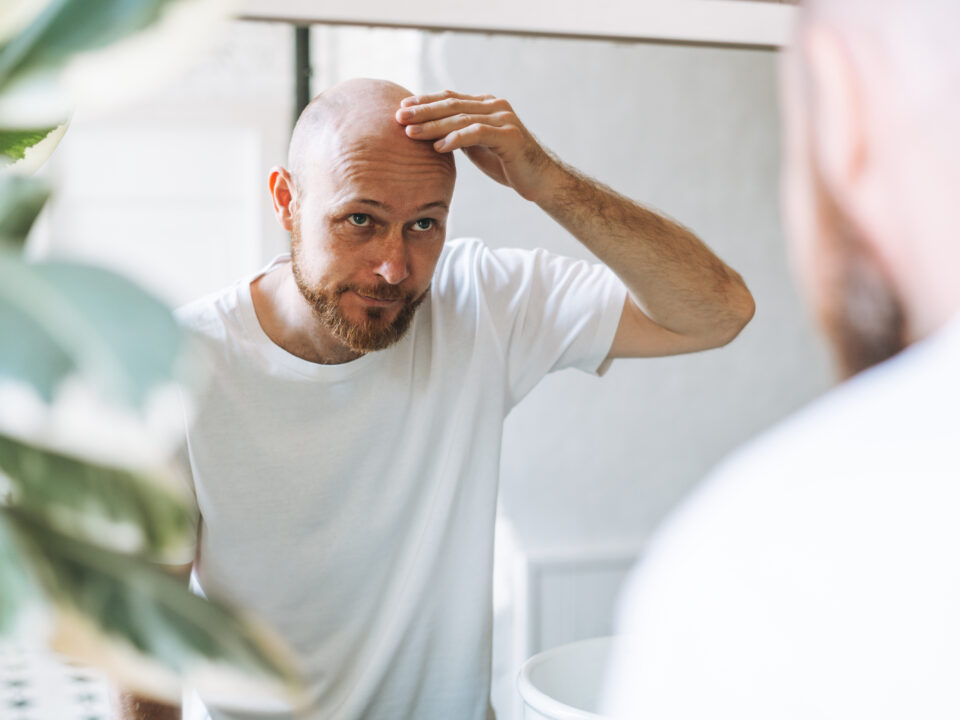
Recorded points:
(424, 224)
(359, 219)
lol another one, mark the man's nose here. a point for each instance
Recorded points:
(392, 262)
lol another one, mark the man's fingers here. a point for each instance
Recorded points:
(489, 136)
(434, 129)
(445, 107)
(442, 95)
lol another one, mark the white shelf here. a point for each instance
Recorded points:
(712, 22)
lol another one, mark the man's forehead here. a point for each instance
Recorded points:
(393, 187)
(370, 157)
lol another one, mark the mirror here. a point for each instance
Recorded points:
(173, 191)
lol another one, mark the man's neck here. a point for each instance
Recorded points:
(290, 322)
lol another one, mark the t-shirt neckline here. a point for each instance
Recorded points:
(276, 354)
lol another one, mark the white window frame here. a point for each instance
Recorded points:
(710, 22)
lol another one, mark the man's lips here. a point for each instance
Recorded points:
(376, 302)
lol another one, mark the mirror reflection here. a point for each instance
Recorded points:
(406, 382)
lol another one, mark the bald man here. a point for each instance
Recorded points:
(815, 574)
(345, 459)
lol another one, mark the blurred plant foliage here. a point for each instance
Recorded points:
(82, 538)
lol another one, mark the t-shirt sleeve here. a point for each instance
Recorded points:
(550, 312)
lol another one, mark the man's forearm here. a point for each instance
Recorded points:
(136, 707)
(674, 278)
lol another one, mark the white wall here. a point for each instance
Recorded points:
(171, 188)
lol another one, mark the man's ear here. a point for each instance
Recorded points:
(283, 193)
(838, 139)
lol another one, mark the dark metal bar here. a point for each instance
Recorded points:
(301, 68)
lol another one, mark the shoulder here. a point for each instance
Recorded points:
(210, 315)
(227, 310)
(891, 417)
(469, 262)
(471, 258)
(894, 414)
(468, 268)
(822, 550)
(836, 477)
(458, 261)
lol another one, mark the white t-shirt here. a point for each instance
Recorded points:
(816, 574)
(352, 506)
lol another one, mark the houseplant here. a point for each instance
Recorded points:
(92, 367)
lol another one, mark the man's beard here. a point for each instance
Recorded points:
(860, 311)
(373, 333)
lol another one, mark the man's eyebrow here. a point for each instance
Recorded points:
(438, 203)
(384, 206)
(368, 201)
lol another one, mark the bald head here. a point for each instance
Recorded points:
(358, 113)
(912, 44)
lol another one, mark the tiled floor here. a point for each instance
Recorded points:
(35, 685)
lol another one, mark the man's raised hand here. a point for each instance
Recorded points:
(488, 131)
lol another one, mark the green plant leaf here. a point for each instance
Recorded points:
(58, 317)
(21, 200)
(144, 615)
(14, 143)
(119, 509)
(26, 150)
(67, 27)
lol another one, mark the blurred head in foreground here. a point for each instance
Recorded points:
(811, 575)
(871, 191)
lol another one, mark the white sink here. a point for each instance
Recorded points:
(565, 683)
